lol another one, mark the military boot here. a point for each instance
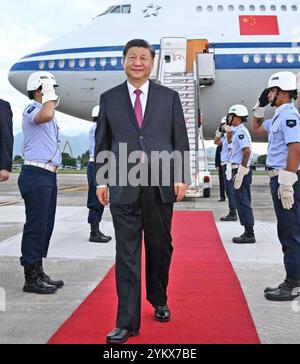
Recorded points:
(247, 238)
(33, 283)
(232, 216)
(97, 236)
(288, 291)
(46, 279)
(272, 289)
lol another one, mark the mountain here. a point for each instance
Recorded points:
(79, 144)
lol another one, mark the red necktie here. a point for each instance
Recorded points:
(138, 108)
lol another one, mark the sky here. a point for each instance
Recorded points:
(27, 25)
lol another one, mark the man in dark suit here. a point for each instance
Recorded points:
(6, 140)
(218, 165)
(145, 117)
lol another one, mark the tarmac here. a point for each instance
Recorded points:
(33, 319)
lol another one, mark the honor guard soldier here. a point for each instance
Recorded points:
(221, 139)
(37, 181)
(239, 169)
(95, 208)
(283, 164)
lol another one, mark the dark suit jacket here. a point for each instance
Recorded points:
(218, 163)
(6, 136)
(164, 129)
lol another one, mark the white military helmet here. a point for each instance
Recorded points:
(224, 120)
(239, 110)
(285, 80)
(36, 80)
(95, 111)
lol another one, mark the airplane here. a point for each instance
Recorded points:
(246, 44)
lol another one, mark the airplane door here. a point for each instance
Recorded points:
(195, 46)
(174, 51)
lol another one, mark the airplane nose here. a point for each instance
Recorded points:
(17, 79)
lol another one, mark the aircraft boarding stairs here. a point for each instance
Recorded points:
(188, 87)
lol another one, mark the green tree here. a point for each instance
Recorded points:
(67, 160)
(18, 159)
(85, 159)
(262, 159)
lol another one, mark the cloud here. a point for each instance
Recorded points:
(26, 26)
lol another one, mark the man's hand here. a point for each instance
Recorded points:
(4, 175)
(263, 101)
(286, 181)
(180, 191)
(239, 177)
(229, 129)
(102, 194)
(48, 92)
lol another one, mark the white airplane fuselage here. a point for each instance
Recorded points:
(88, 61)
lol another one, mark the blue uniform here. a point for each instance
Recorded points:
(38, 186)
(241, 139)
(225, 156)
(95, 208)
(283, 129)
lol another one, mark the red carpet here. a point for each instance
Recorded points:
(205, 296)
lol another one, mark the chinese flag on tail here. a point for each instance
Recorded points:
(259, 25)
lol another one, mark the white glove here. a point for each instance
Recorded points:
(259, 111)
(229, 129)
(228, 172)
(219, 134)
(286, 181)
(238, 179)
(48, 92)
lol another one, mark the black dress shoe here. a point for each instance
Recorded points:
(120, 336)
(98, 237)
(162, 314)
(222, 200)
(288, 291)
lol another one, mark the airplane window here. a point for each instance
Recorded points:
(294, 7)
(268, 58)
(210, 8)
(116, 10)
(114, 61)
(246, 58)
(126, 9)
(252, 7)
(262, 8)
(242, 8)
(230, 7)
(93, 62)
(72, 63)
(41, 65)
(279, 58)
(220, 8)
(291, 58)
(103, 62)
(283, 8)
(82, 62)
(273, 7)
(199, 9)
(51, 64)
(61, 63)
(257, 58)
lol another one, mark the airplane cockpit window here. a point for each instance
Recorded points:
(117, 9)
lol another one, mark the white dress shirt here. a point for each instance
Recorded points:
(144, 94)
